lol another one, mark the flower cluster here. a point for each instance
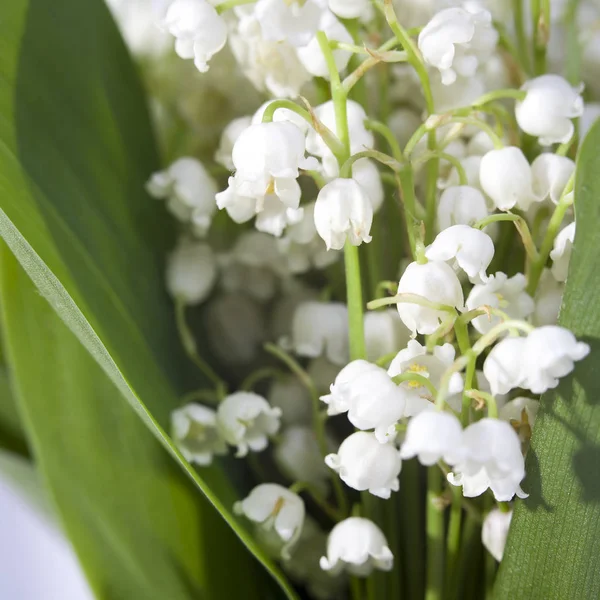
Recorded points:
(447, 198)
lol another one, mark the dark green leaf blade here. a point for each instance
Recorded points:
(553, 550)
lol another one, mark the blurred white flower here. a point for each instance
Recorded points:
(495, 531)
(551, 174)
(502, 367)
(384, 333)
(561, 252)
(365, 464)
(358, 546)
(292, 22)
(351, 9)
(228, 139)
(460, 205)
(548, 299)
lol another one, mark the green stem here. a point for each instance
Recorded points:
(228, 4)
(453, 540)
(422, 381)
(503, 94)
(540, 18)
(410, 299)
(257, 376)
(522, 229)
(453, 160)
(435, 536)
(384, 131)
(409, 204)
(519, 24)
(355, 303)
(330, 511)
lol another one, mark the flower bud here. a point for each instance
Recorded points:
(551, 173)
(343, 211)
(367, 174)
(191, 271)
(365, 464)
(502, 367)
(495, 532)
(246, 420)
(506, 178)
(460, 205)
(230, 135)
(435, 281)
(546, 112)
(358, 546)
(561, 252)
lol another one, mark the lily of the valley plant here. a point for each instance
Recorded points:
(373, 250)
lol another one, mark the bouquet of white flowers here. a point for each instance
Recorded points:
(304, 355)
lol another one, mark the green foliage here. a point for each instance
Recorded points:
(553, 550)
(75, 151)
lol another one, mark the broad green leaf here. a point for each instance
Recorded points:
(553, 549)
(75, 151)
(130, 512)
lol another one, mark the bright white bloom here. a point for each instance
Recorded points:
(471, 248)
(360, 137)
(321, 328)
(495, 531)
(198, 29)
(343, 211)
(292, 397)
(196, 435)
(506, 178)
(551, 174)
(384, 333)
(433, 436)
(228, 139)
(460, 205)
(292, 22)
(311, 56)
(299, 458)
(246, 420)
(472, 166)
(277, 509)
(561, 252)
(550, 353)
(548, 299)
(492, 459)
(189, 191)
(518, 410)
(504, 293)
(270, 66)
(457, 40)
(437, 282)
(191, 271)
(301, 246)
(365, 464)
(267, 158)
(365, 171)
(415, 359)
(548, 109)
(503, 365)
(358, 546)
(340, 396)
(351, 9)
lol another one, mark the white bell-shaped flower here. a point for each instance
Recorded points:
(246, 420)
(505, 176)
(311, 56)
(502, 367)
(514, 410)
(432, 436)
(365, 464)
(321, 328)
(196, 435)
(471, 166)
(343, 211)
(460, 205)
(365, 171)
(551, 173)
(360, 137)
(298, 457)
(280, 115)
(548, 109)
(384, 333)
(189, 191)
(340, 396)
(437, 282)
(276, 509)
(415, 359)
(292, 22)
(198, 29)
(492, 459)
(228, 139)
(494, 532)
(481, 143)
(291, 396)
(351, 9)
(505, 293)
(456, 40)
(358, 546)
(549, 354)
(548, 299)
(472, 249)
(191, 271)
(561, 252)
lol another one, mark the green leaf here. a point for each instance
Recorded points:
(75, 151)
(131, 514)
(553, 550)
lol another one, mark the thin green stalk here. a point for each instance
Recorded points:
(355, 302)
(435, 536)
(540, 20)
(453, 542)
(519, 24)
(453, 160)
(384, 131)
(409, 203)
